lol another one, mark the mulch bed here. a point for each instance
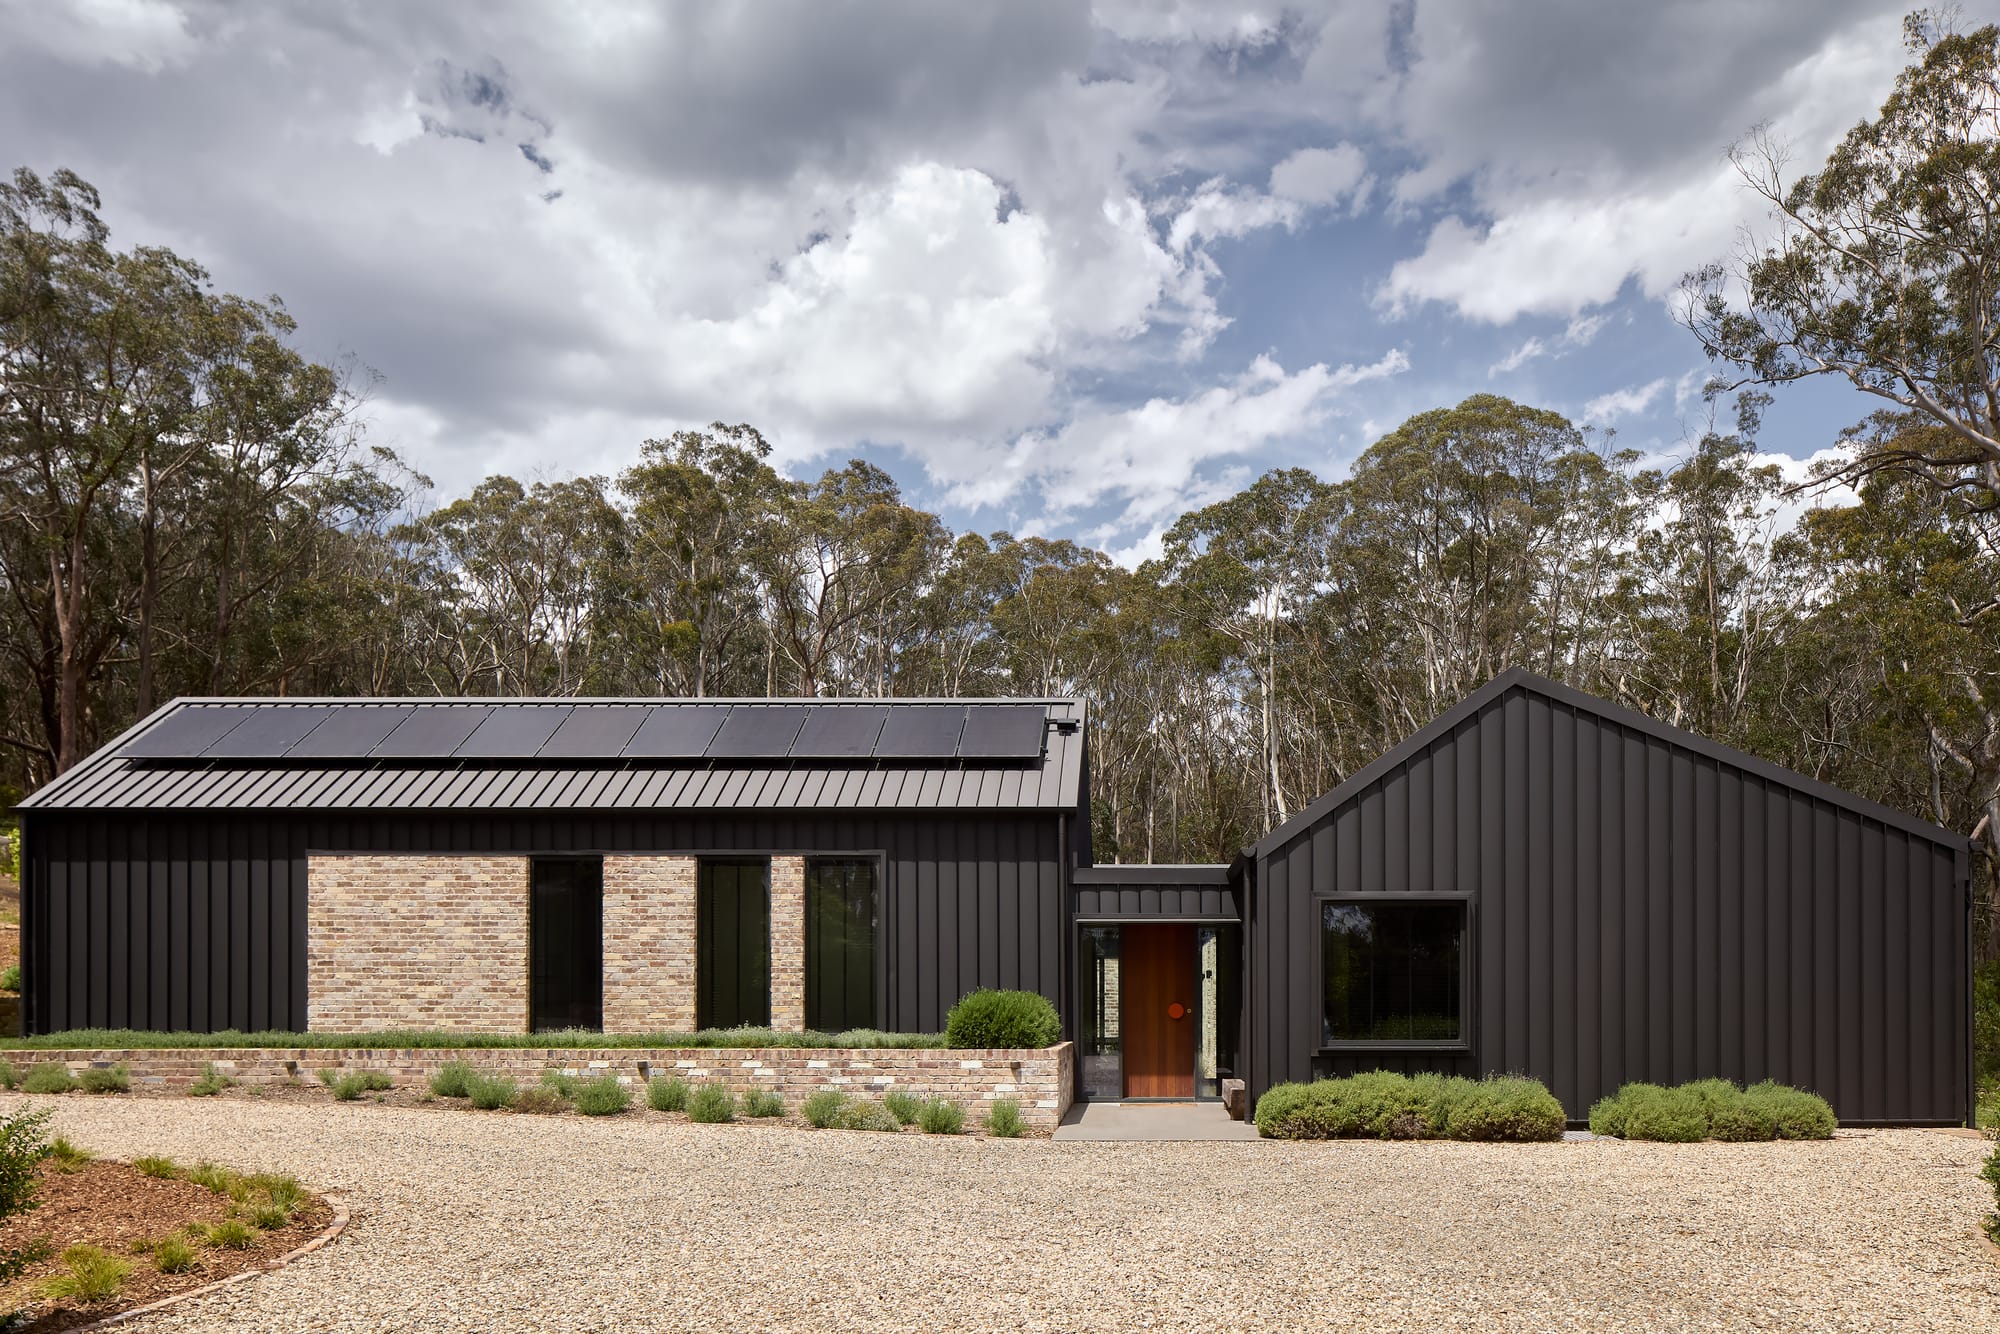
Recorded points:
(116, 1207)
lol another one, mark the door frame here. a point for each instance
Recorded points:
(1076, 953)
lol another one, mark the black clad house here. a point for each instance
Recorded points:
(1537, 882)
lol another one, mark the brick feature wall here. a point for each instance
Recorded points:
(401, 941)
(788, 944)
(1037, 1079)
(649, 944)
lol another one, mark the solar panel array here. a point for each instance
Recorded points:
(678, 732)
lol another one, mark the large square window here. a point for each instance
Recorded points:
(1394, 971)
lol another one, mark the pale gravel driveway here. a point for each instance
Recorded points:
(488, 1221)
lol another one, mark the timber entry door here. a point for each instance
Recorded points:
(1157, 1007)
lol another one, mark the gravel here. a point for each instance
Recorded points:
(471, 1221)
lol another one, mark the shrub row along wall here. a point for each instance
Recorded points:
(1038, 1078)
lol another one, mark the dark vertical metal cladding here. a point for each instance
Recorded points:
(968, 900)
(1645, 906)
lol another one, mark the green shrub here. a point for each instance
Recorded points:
(1712, 1109)
(211, 1176)
(1382, 1104)
(90, 1274)
(10, 1078)
(863, 1114)
(173, 1256)
(759, 1103)
(987, 1018)
(903, 1105)
(1003, 1119)
(565, 1085)
(346, 1088)
(453, 1080)
(539, 1100)
(10, 977)
(1794, 1113)
(68, 1157)
(824, 1107)
(233, 1233)
(940, 1117)
(603, 1096)
(48, 1077)
(490, 1092)
(269, 1217)
(667, 1095)
(106, 1079)
(1989, 1172)
(212, 1082)
(279, 1188)
(154, 1166)
(712, 1104)
(23, 1146)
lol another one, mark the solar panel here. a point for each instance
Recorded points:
(186, 732)
(676, 731)
(269, 731)
(433, 732)
(1003, 731)
(513, 731)
(923, 731)
(595, 731)
(351, 731)
(756, 730)
(837, 731)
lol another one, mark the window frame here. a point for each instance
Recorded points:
(879, 983)
(1466, 902)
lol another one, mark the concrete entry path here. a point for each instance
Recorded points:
(1131, 1121)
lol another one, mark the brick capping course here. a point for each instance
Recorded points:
(1040, 1079)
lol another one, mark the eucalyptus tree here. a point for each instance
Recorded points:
(1882, 268)
(705, 511)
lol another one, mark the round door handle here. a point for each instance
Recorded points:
(1177, 1011)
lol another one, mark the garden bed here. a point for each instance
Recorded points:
(125, 1213)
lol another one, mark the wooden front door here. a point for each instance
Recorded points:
(1157, 1005)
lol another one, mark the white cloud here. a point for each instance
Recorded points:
(1148, 457)
(1323, 176)
(1571, 203)
(1607, 408)
(1577, 333)
(144, 35)
(1529, 350)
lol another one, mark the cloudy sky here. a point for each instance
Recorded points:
(1058, 268)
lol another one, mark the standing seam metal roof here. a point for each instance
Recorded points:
(107, 780)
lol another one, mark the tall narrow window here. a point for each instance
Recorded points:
(840, 943)
(565, 943)
(732, 985)
(1394, 971)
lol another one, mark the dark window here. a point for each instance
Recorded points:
(1393, 971)
(840, 943)
(565, 943)
(732, 986)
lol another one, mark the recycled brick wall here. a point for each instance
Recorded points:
(1038, 1079)
(788, 944)
(405, 941)
(649, 944)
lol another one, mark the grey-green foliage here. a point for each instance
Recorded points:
(940, 1116)
(903, 1105)
(763, 1103)
(489, 1092)
(1004, 1120)
(453, 1079)
(603, 1096)
(1712, 1109)
(48, 1077)
(667, 1095)
(712, 1103)
(823, 1107)
(865, 1114)
(1387, 1105)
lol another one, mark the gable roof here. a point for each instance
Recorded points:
(587, 754)
(1519, 678)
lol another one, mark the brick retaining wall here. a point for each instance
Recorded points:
(1039, 1079)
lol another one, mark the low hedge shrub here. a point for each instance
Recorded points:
(453, 1079)
(711, 1104)
(761, 1103)
(540, 1100)
(866, 1114)
(1387, 1105)
(824, 1107)
(603, 1096)
(988, 1018)
(489, 1093)
(1004, 1120)
(940, 1117)
(905, 1106)
(667, 1095)
(106, 1079)
(49, 1077)
(1712, 1109)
